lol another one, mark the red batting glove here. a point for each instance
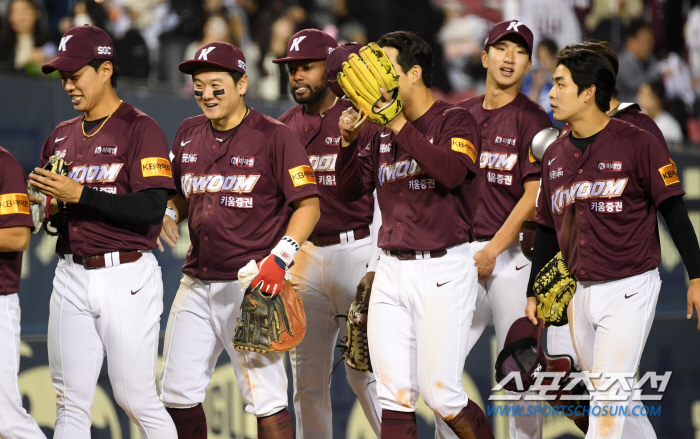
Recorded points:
(271, 276)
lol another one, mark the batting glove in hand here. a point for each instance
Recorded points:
(271, 276)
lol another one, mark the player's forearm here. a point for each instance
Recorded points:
(306, 214)
(146, 206)
(179, 205)
(510, 230)
(14, 239)
(349, 174)
(682, 233)
(444, 165)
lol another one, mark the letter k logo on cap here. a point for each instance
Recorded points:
(203, 54)
(295, 43)
(514, 26)
(62, 45)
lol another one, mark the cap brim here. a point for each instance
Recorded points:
(297, 58)
(65, 64)
(189, 67)
(511, 32)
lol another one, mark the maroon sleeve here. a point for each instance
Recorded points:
(176, 162)
(455, 154)
(148, 160)
(543, 212)
(531, 122)
(14, 201)
(355, 170)
(657, 170)
(291, 166)
(647, 124)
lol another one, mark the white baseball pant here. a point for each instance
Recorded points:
(331, 275)
(201, 324)
(15, 422)
(420, 313)
(113, 311)
(610, 323)
(502, 296)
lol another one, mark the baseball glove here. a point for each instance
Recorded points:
(361, 78)
(270, 323)
(355, 347)
(554, 288)
(55, 223)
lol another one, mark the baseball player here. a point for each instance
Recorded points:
(16, 226)
(598, 205)
(107, 293)
(245, 183)
(422, 163)
(336, 254)
(510, 177)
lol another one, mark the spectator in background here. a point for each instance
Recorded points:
(553, 19)
(692, 41)
(25, 43)
(636, 60)
(84, 12)
(607, 19)
(462, 39)
(538, 83)
(651, 98)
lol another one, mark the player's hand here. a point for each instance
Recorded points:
(272, 271)
(485, 262)
(57, 186)
(364, 288)
(694, 299)
(350, 124)
(396, 123)
(531, 309)
(170, 233)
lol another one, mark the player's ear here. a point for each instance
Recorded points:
(589, 93)
(106, 70)
(529, 64)
(242, 85)
(485, 58)
(416, 74)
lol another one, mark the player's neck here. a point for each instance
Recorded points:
(418, 103)
(322, 105)
(614, 105)
(497, 97)
(231, 121)
(106, 106)
(590, 123)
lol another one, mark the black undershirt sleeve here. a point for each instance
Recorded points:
(681, 230)
(545, 248)
(146, 206)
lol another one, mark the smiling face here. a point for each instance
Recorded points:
(307, 80)
(219, 107)
(86, 87)
(507, 61)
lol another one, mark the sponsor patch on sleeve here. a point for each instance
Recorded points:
(302, 175)
(465, 147)
(14, 203)
(532, 157)
(669, 173)
(156, 167)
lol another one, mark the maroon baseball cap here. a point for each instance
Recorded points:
(216, 54)
(334, 65)
(308, 44)
(78, 47)
(510, 27)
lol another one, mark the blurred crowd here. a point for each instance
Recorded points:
(658, 41)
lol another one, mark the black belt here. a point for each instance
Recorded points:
(482, 238)
(325, 240)
(409, 255)
(98, 261)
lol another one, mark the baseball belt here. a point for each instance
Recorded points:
(326, 240)
(410, 255)
(98, 261)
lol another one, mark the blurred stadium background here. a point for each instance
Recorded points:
(659, 46)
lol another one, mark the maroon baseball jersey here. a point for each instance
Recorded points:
(128, 154)
(239, 191)
(603, 202)
(418, 212)
(321, 137)
(505, 160)
(14, 212)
